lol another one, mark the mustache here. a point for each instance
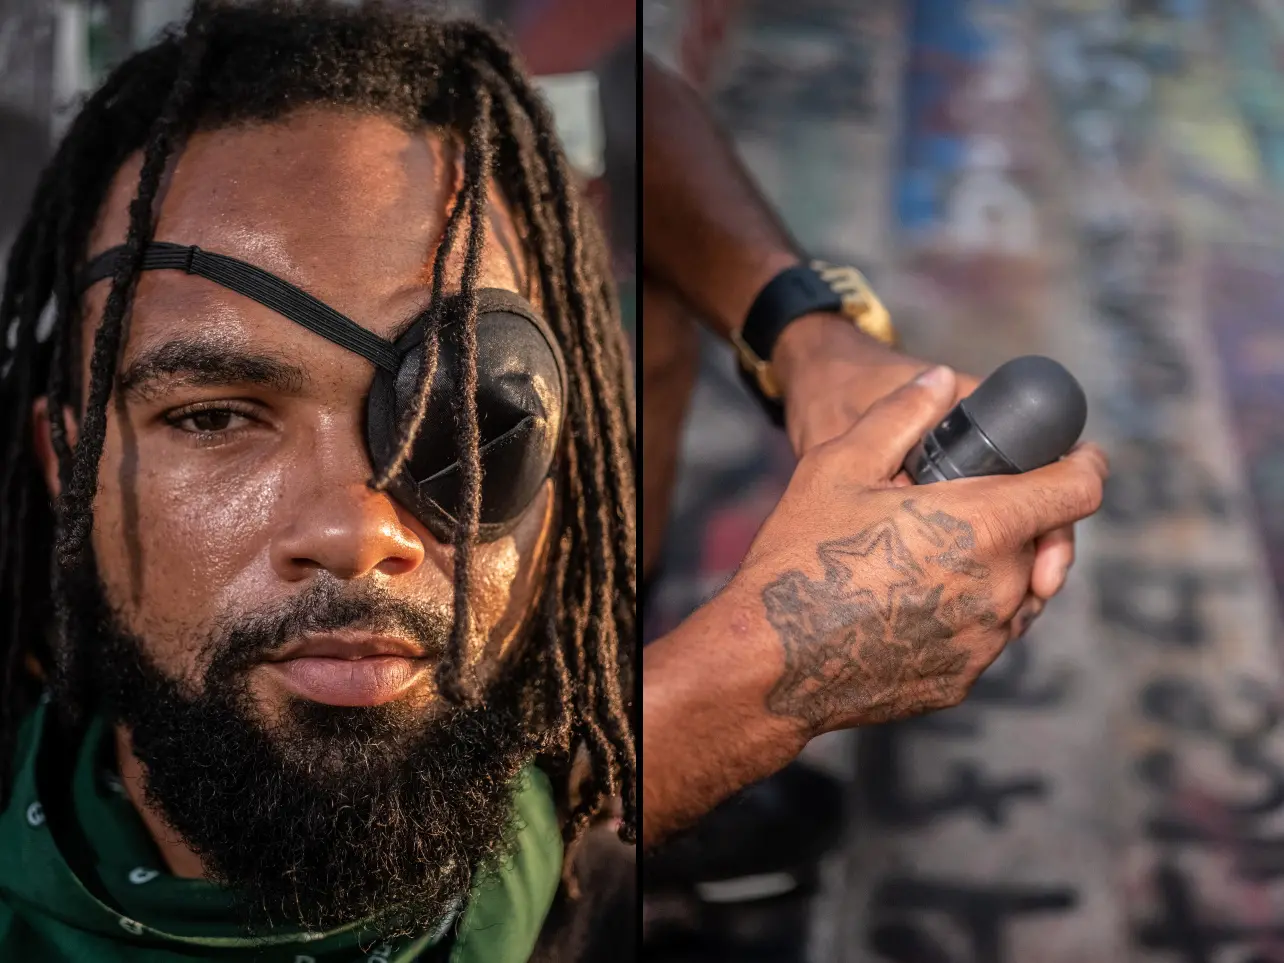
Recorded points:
(243, 640)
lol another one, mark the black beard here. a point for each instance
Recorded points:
(333, 814)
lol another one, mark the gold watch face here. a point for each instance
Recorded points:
(860, 303)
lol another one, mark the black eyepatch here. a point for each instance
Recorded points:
(521, 388)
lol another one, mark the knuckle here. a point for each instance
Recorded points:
(1009, 598)
(1083, 500)
(1078, 500)
(954, 695)
(995, 529)
(1094, 493)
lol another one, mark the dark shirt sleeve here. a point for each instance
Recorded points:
(601, 925)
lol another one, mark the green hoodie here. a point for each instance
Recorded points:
(119, 904)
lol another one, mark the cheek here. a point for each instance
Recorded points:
(170, 537)
(496, 581)
(509, 576)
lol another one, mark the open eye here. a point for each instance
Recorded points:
(210, 421)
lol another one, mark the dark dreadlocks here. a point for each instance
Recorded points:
(256, 63)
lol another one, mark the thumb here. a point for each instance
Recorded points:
(876, 445)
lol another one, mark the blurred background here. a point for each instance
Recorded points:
(1100, 182)
(53, 52)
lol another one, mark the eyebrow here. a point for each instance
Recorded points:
(201, 363)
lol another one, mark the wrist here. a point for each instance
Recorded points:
(709, 732)
(823, 335)
(731, 659)
(755, 658)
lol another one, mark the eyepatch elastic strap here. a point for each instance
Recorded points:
(521, 388)
(258, 285)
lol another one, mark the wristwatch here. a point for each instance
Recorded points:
(794, 292)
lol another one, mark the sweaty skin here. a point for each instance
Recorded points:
(226, 497)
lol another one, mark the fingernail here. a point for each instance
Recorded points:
(934, 376)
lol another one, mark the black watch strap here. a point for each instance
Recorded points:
(792, 293)
(787, 297)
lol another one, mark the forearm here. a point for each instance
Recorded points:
(708, 731)
(670, 361)
(707, 231)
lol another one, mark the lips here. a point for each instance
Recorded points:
(349, 668)
(348, 645)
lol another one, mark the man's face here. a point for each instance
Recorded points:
(233, 489)
(233, 525)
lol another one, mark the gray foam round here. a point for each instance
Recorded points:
(1032, 410)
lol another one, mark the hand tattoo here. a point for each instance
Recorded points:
(884, 655)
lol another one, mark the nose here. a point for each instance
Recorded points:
(350, 532)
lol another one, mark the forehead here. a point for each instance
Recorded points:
(346, 206)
